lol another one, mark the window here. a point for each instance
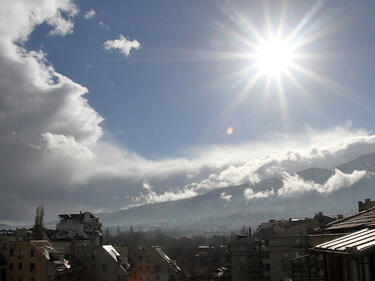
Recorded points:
(10, 266)
(140, 258)
(140, 268)
(157, 268)
(267, 267)
(11, 252)
(157, 277)
(32, 267)
(32, 253)
(20, 253)
(20, 279)
(32, 279)
(104, 267)
(20, 266)
(4, 246)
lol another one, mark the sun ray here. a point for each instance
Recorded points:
(331, 85)
(245, 91)
(267, 18)
(296, 84)
(282, 102)
(280, 29)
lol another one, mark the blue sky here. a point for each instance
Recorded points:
(172, 93)
(183, 107)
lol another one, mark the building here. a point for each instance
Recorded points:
(35, 260)
(246, 258)
(266, 254)
(342, 250)
(82, 226)
(104, 263)
(367, 204)
(151, 264)
(3, 268)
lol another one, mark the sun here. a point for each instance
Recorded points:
(274, 56)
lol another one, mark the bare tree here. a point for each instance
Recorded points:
(38, 226)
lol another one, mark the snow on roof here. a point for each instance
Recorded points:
(112, 251)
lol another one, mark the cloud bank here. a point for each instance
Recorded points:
(293, 184)
(54, 149)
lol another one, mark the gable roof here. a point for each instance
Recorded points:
(356, 221)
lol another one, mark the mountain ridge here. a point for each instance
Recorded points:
(201, 211)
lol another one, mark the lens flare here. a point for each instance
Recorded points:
(230, 131)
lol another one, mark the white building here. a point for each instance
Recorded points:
(82, 226)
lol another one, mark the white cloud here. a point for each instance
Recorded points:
(250, 194)
(172, 195)
(54, 150)
(103, 25)
(280, 154)
(293, 184)
(19, 17)
(122, 44)
(89, 14)
(225, 196)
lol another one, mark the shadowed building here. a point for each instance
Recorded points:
(343, 250)
(151, 264)
(266, 254)
(34, 261)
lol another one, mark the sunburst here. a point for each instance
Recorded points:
(277, 57)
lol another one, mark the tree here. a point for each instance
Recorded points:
(38, 226)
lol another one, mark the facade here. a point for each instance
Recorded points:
(343, 250)
(151, 264)
(82, 226)
(266, 254)
(347, 258)
(246, 258)
(104, 263)
(35, 260)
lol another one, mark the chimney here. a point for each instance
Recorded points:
(367, 204)
(340, 217)
(360, 208)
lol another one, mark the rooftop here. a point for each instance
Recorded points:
(357, 221)
(354, 243)
(76, 216)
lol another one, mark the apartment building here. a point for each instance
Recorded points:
(343, 250)
(103, 263)
(151, 264)
(34, 261)
(266, 254)
(82, 226)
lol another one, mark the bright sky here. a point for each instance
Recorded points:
(189, 81)
(182, 97)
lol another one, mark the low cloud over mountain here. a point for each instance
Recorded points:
(55, 150)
